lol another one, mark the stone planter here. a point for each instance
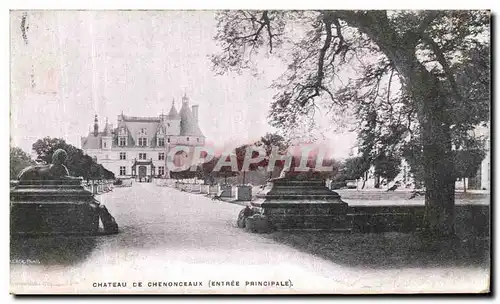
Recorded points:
(196, 188)
(226, 191)
(244, 193)
(212, 190)
(204, 189)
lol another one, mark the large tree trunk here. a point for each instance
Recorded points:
(431, 104)
(438, 165)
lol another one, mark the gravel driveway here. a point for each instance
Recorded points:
(170, 241)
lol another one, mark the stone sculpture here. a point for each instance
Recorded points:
(54, 171)
(47, 200)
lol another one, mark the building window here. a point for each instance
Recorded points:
(161, 142)
(161, 170)
(168, 139)
(143, 141)
(142, 156)
(104, 143)
(161, 156)
(188, 139)
(123, 155)
(123, 170)
(122, 142)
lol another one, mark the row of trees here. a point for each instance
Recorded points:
(385, 166)
(257, 172)
(206, 170)
(78, 163)
(466, 165)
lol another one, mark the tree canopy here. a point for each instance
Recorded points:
(410, 77)
(78, 163)
(18, 161)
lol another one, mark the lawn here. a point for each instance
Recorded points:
(390, 249)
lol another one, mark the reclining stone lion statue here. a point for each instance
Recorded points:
(58, 171)
(54, 171)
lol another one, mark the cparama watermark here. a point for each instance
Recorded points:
(182, 158)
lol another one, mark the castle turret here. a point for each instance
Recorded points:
(190, 131)
(173, 121)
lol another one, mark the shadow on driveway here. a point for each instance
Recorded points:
(389, 250)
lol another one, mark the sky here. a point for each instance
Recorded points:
(136, 62)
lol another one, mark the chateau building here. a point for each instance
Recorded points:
(138, 146)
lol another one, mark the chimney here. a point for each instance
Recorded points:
(194, 109)
(96, 126)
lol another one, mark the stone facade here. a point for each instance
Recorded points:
(138, 146)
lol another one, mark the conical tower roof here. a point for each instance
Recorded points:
(173, 114)
(189, 125)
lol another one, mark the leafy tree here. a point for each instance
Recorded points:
(387, 166)
(467, 163)
(269, 141)
(417, 69)
(353, 168)
(45, 147)
(18, 161)
(210, 175)
(78, 163)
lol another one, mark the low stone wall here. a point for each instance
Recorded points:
(473, 219)
(126, 183)
(309, 216)
(99, 187)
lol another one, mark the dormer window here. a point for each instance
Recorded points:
(161, 142)
(143, 142)
(122, 141)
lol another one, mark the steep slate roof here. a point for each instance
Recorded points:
(189, 125)
(160, 126)
(173, 114)
(122, 124)
(91, 141)
(133, 124)
(138, 123)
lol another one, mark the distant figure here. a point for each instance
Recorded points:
(243, 215)
(55, 171)
(217, 197)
